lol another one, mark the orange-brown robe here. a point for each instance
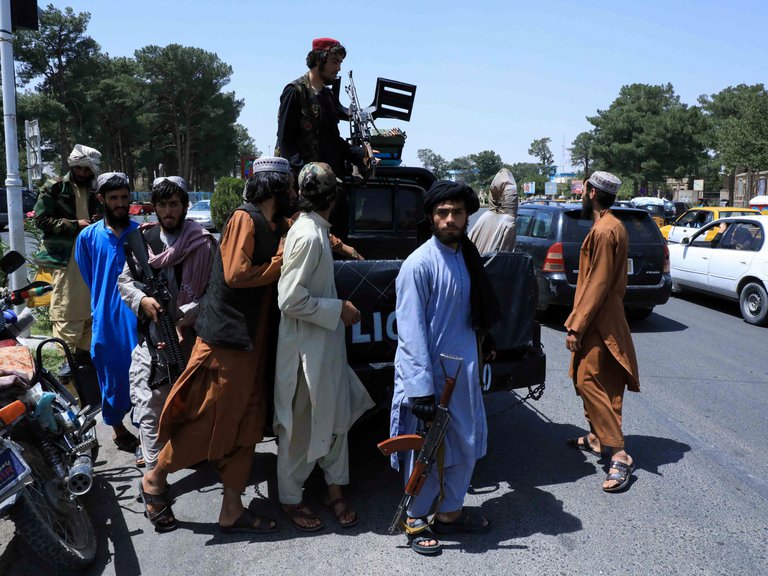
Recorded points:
(606, 363)
(216, 409)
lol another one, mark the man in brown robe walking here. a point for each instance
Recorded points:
(216, 409)
(603, 361)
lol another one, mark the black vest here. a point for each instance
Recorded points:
(229, 316)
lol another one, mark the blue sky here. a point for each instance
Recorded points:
(490, 74)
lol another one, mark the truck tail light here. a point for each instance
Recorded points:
(666, 258)
(554, 261)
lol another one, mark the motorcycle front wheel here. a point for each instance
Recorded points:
(56, 528)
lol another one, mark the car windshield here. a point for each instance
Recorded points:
(201, 205)
(640, 228)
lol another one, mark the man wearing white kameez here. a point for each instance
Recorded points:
(317, 395)
(443, 306)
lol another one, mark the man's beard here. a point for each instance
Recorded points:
(285, 207)
(176, 228)
(81, 180)
(116, 221)
(449, 237)
(587, 210)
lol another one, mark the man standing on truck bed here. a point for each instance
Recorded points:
(308, 122)
(603, 360)
(444, 302)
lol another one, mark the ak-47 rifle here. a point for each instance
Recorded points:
(155, 285)
(360, 122)
(427, 443)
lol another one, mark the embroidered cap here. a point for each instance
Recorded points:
(178, 180)
(605, 181)
(107, 176)
(271, 164)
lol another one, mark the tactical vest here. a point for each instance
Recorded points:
(230, 316)
(311, 120)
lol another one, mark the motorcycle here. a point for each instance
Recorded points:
(47, 446)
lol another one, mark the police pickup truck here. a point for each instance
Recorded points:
(384, 221)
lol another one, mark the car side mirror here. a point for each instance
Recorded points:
(686, 240)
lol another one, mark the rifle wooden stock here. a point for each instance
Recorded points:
(402, 443)
(445, 398)
(417, 478)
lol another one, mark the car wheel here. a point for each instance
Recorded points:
(753, 302)
(639, 313)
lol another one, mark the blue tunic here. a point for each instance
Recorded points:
(434, 317)
(101, 257)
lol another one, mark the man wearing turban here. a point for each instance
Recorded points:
(445, 304)
(62, 210)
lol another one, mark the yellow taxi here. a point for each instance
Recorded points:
(699, 217)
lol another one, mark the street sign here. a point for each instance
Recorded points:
(698, 185)
(34, 151)
(550, 188)
(529, 188)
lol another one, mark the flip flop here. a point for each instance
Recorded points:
(467, 523)
(246, 524)
(293, 512)
(344, 510)
(583, 445)
(622, 476)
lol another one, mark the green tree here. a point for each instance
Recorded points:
(227, 195)
(61, 56)
(528, 172)
(463, 169)
(540, 149)
(486, 165)
(433, 162)
(648, 135)
(581, 150)
(192, 115)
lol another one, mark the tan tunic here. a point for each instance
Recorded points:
(598, 303)
(70, 298)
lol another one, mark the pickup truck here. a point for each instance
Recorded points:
(384, 220)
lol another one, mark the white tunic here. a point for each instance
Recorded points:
(311, 339)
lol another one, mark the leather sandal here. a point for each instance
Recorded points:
(294, 512)
(247, 524)
(163, 520)
(418, 532)
(622, 476)
(345, 509)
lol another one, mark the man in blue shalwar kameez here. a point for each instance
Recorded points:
(444, 305)
(100, 255)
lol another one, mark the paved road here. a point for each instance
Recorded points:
(698, 504)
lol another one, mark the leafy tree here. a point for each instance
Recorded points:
(227, 196)
(647, 134)
(192, 116)
(528, 172)
(62, 56)
(463, 169)
(540, 149)
(433, 162)
(581, 150)
(486, 165)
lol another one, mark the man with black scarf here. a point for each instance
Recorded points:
(445, 304)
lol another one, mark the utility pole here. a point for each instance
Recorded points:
(12, 180)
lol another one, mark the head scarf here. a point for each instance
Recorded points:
(107, 176)
(85, 156)
(444, 190)
(178, 180)
(504, 198)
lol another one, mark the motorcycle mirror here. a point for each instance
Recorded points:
(11, 261)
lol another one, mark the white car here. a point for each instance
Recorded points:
(200, 212)
(733, 265)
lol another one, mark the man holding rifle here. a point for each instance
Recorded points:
(179, 253)
(444, 305)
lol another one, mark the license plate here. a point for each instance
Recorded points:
(13, 470)
(630, 266)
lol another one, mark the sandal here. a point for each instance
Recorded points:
(294, 512)
(138, 455)
(163, 520)
(249, 523)
(583, 445)
(467, 523)
(418, 532)
(345, 509)
(126, 442)
(622, 476)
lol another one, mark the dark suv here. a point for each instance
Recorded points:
(552, 235)
(28, 199)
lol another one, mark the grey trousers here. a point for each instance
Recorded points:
(147, 404)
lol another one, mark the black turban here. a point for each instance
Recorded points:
(444, 190)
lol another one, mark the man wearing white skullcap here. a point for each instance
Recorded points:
(62, 210)
(603, 360)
